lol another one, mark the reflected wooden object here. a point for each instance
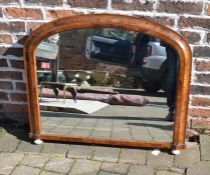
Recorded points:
(62, 86)
(116, 21)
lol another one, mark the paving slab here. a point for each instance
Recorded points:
(103, 134)
(8, 161)
(60, 130)
(26, 159)
(55, 148)
(200, 168)
(26, 170)
(121, 136)
(50, 173)
(120, 168)
(109, 154)
(81, 132)
(80, 151)
(103, 128)
(188, 157)
(86, 167)
(34, 160)
(134, 156)
(59, 165)
(12, 140)
(172, 170)
(177, 170)
(106, 173)
(26, 146)
(205, 147)
(140, 170)
(166, 173)
(161, 160)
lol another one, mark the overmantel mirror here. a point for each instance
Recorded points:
(108, 79)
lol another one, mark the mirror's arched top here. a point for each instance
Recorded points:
(139, 24)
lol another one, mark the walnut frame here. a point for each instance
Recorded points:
(109, 20)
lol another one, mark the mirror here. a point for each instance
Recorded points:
(107, 83)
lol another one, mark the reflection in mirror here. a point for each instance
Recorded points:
(107, 83)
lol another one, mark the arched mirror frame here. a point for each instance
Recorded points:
(119, 21)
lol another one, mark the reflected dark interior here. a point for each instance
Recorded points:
(109, 83)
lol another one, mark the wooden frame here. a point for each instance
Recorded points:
(109, 20)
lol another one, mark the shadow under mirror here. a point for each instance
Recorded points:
(107, 83)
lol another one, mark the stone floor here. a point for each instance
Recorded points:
(18, 156)
(114, 121)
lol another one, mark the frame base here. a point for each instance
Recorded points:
(107, 141)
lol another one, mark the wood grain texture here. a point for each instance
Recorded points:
(118, 21)
(106, 141)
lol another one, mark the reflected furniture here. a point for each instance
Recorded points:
(61, 86)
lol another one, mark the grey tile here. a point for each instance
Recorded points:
(29, 147)
(62, 130)
(106, 173)
(109, 154)
(205, 148)
(103, 134)
(53, 122)
(8, 161)
(102, 128)
(88, 120)
(144, 137)
(122, 136)
(166, 173)
(200, 168)
(13, 143)
(107, 122)
(83, 124)
(140, 170)
(162, 139)
(84, 127)
(80, 151)
(138, 128)
(140, 134)
(162, 160)
(34, 160)
(71, 122)
(120, 168)
(120, 129)
(135, 156)
(81, 132)
(55, 148)
(60, 165)
(86, 167)
(188, 157)
(25, 170)
(47, 128)
(50, 173)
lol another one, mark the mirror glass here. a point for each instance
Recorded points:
(107, 83)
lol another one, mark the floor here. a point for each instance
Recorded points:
(22, 157)
(114, 121)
